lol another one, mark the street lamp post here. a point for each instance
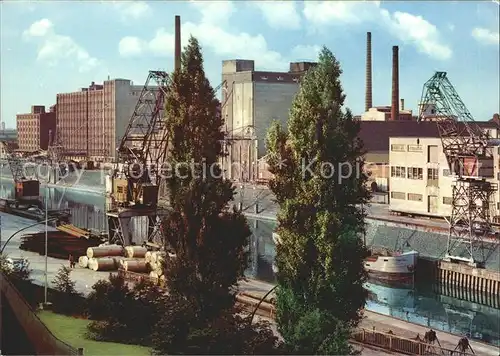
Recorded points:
(46, 242)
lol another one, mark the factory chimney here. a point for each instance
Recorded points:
(395, 84)
(177, 54)
(368, 93)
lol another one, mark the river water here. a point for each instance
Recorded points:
(421, 304)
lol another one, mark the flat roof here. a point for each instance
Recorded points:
(376, 134)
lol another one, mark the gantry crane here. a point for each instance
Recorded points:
(137, 176)
(27, 190)
(469, 155)
(140, 168)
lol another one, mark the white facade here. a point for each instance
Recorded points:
(420, 180)
(383, 113)
(374, 114)
(253, 100)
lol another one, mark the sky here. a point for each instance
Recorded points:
(49, 47)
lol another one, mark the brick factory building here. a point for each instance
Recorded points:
(92, 121)
(33, 128)
(253, 100)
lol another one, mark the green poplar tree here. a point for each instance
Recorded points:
(208, 238)
(320, 186)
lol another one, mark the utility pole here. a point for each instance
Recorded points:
(46, 242)
(1, 297)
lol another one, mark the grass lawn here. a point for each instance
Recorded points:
(72, 331)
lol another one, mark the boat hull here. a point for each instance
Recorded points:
(398, 268)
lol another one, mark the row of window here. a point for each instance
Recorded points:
(405, 148)
(416, 197)
(415, 173)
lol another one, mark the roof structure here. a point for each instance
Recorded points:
(376, 134)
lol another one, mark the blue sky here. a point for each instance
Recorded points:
(50, 47)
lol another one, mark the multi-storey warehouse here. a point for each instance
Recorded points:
(34, 128)
(92, 121)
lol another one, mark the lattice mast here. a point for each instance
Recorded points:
(15, 161)
(465, 145)
(143, 147)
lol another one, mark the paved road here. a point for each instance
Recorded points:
(261, 197)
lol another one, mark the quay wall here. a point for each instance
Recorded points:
(430, 244)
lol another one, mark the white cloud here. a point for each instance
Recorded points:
(214, 12)
(163, 44)
(280, 15)
(419, 32)
(486, 36)
(130, 46)
(305, 53)
(54, 47)
(406, 27)
(229, 44)
(39, 28)
(132, 10)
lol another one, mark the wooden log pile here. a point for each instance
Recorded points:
(59, 244)
(135, 259)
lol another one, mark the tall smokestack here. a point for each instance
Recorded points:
(368, 93)
(177, 54)
(395, 83)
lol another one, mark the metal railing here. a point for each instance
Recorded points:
(42, 339)
(400, 344)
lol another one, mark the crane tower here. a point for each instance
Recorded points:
(137, 176)
(470, 159)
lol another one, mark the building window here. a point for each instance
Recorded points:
(415, 197)
(446, 172)
(415, 148)
(398, 172)
(398, 148)
(447, 200)
(398, 195)
(432, 174)
(415, 173)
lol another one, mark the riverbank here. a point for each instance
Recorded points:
(400, 304)
(386, 324)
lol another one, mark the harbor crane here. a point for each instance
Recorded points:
(27, 190)
(137, 176)
(140, 171)
(469, 153)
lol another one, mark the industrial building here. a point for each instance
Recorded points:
(252, 100)
(92, 121)
(34, 128)
(420, 179)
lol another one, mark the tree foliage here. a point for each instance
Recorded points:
(66, 299)
(319, 184)
(123, 314)
(17, 270)
(63, 282)
(208, 238)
